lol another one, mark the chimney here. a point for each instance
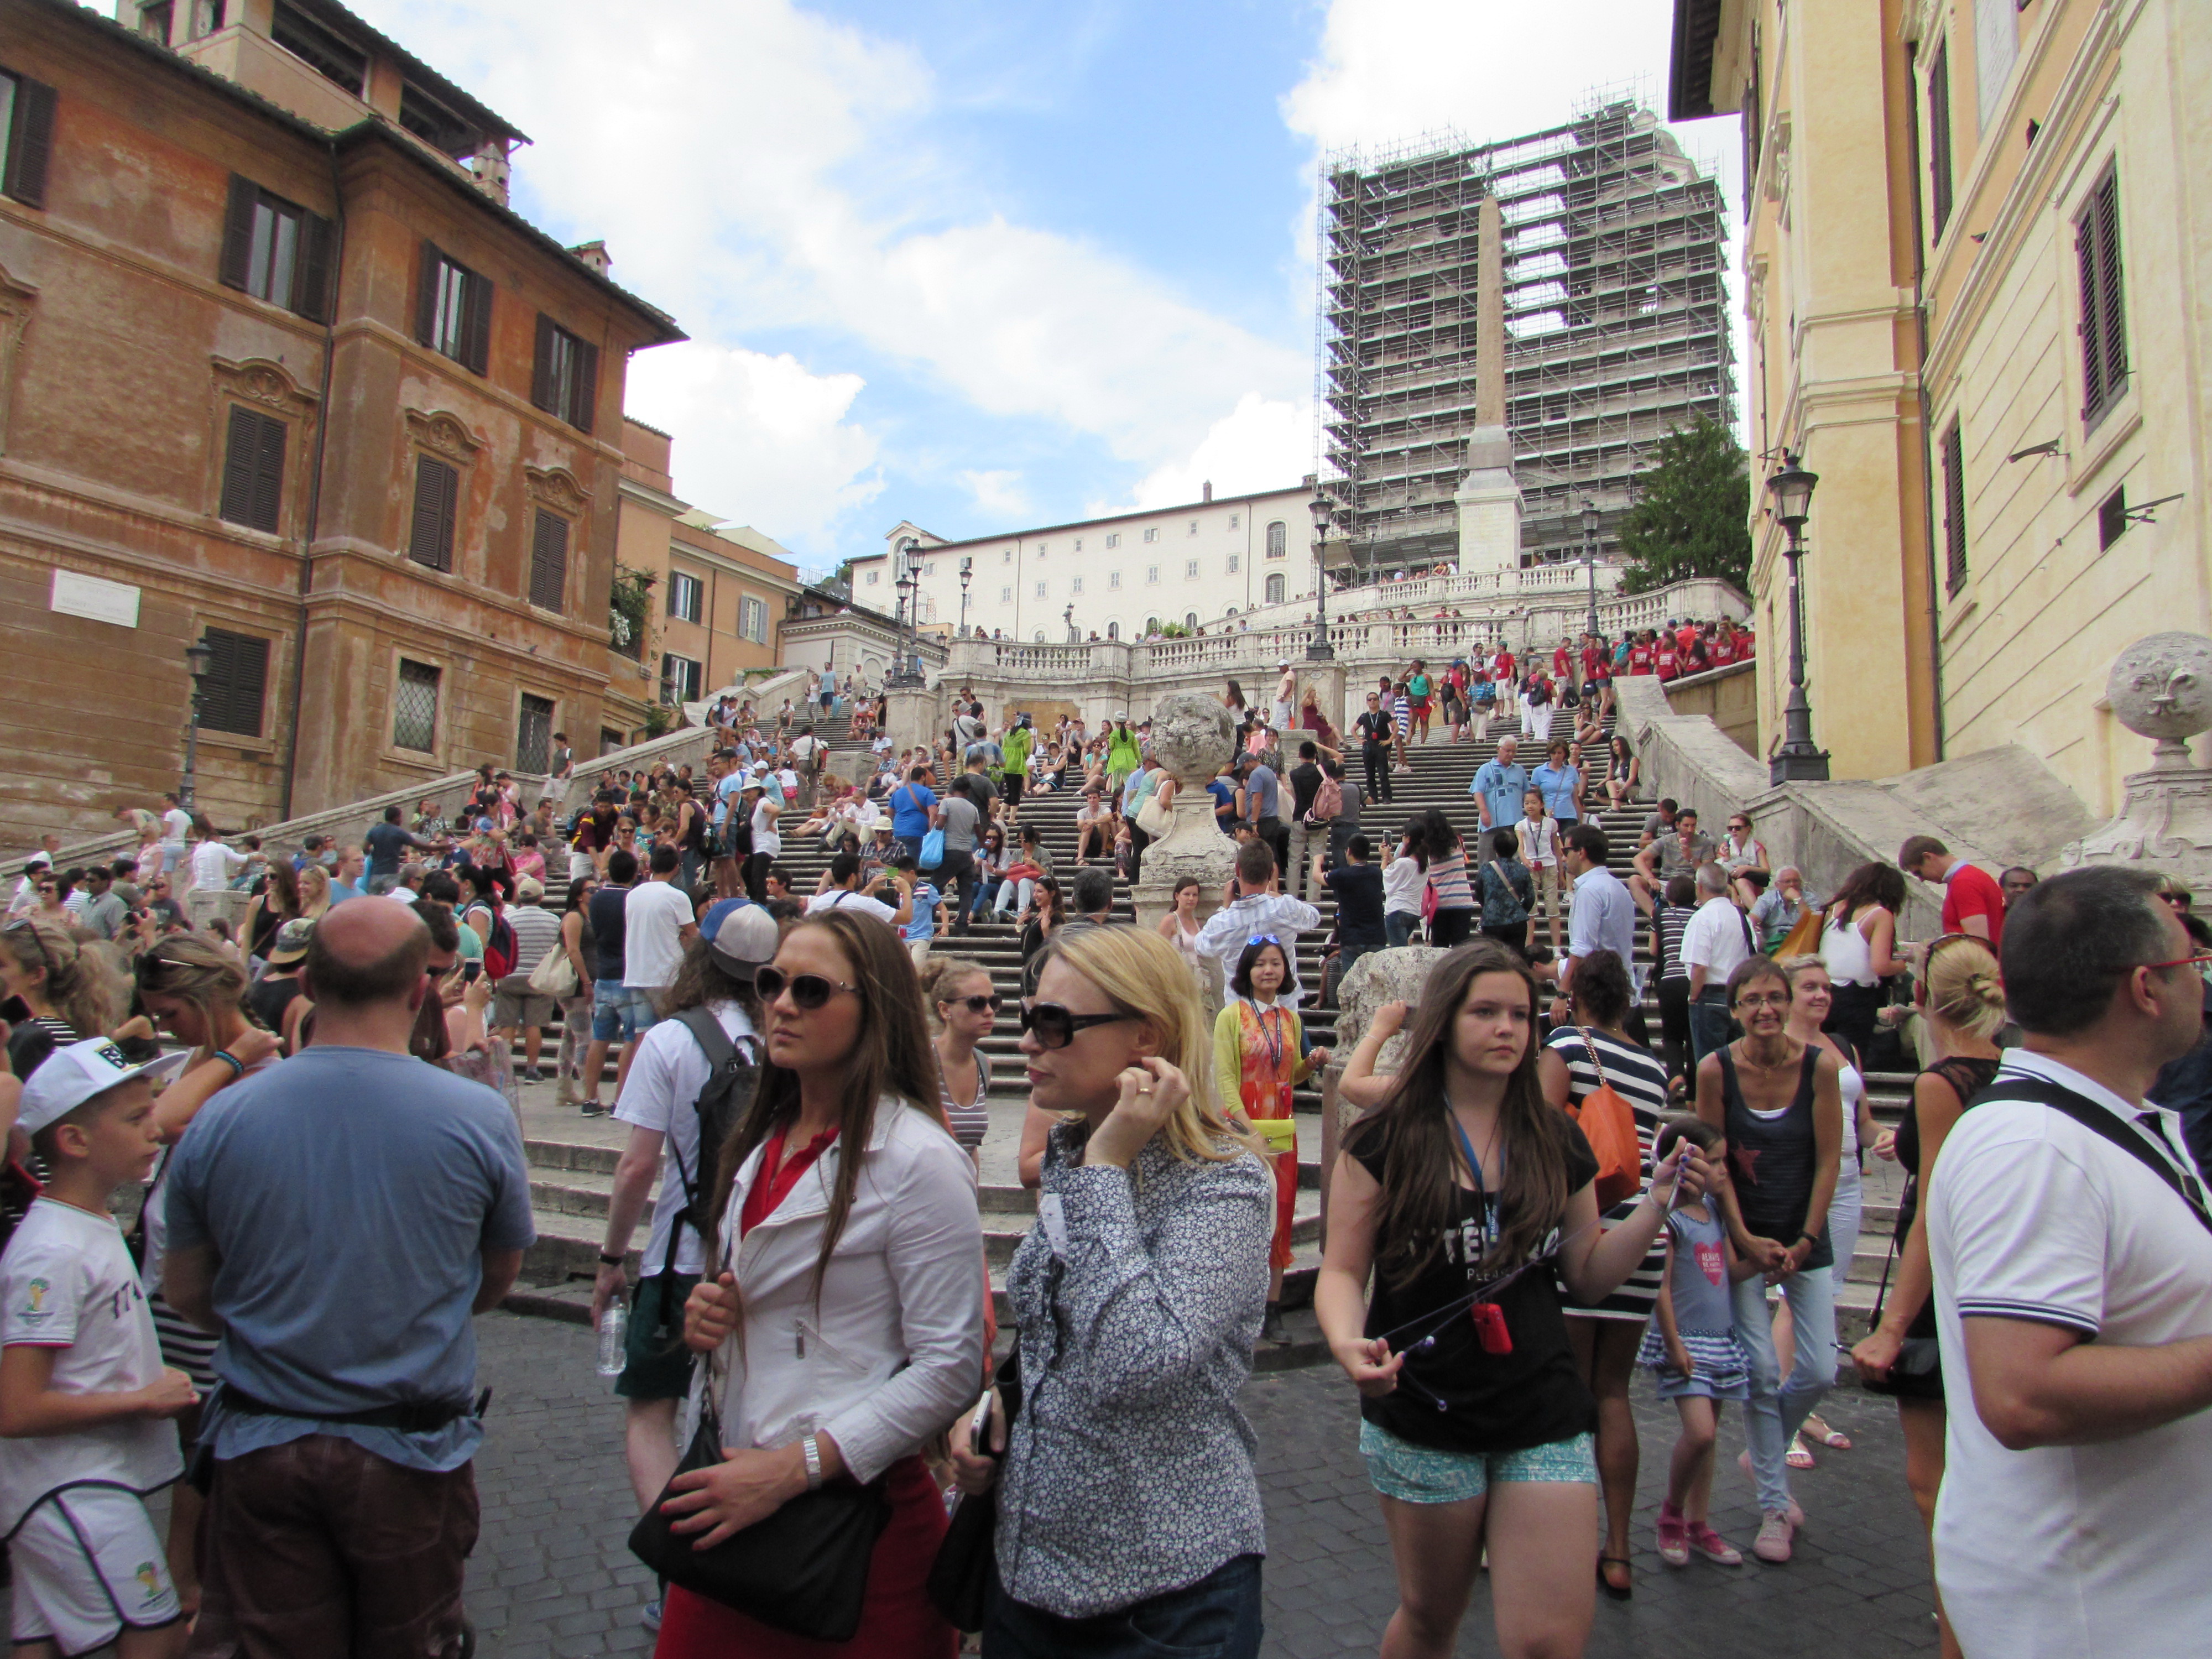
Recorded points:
(1206, 490)
(490, 166)
(595, 255)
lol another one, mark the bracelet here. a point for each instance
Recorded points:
(237, 1066)
(810, 1450)
(606, 1260)
(1808, 1238)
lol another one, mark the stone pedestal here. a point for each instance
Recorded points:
(1327, 680)
(2161, 687)
(1380, 976)
(1192, 735)
(1489, 505)
(914, 717)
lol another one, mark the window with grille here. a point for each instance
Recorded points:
(1006, 555)
(1076, 587)
(452, 309)
(1113, 540)
(874, 576)
(1190, 620)
(1190, 567)
(437, 499)
(533, 734)
(1939, 141)
(752, 619)
(231, 690)
(253, 471)
(1236, 520)
(2104, 325)
(1275, 588)
(564, 375)
(680, 679)
(549, 562)
(1278, 540)
(684, 596)
(1078, 543)
(1954, 510)
(1113, 579)
(1236, 563)
(415, 708)
(1152, 573)
(1041, 590)
(1006, 596)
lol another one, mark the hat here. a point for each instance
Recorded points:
(291, 943)
(39, 861)
(530, 889)
(743, 939)
(73, 1074)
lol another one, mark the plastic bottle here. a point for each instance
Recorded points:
(614, 1332)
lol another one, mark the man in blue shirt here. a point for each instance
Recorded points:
(1263, 808)
(911, 805)
(1497, 788)
(1602, 917)
(337, 1219)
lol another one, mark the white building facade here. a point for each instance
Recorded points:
(1196, 565)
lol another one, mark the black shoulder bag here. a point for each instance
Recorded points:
(959, 1583)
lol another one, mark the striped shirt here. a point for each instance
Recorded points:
(1449, 877)
(536, 930)
(1673, 919)
(1641, 1080)
(968, 1122)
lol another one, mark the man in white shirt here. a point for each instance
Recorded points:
(656, 924)
(1286, 691)
(1254, 904)
(844, 893)
(176, 830)
(1715, 940)
(2072, 1259)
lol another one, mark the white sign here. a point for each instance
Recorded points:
(89, 596)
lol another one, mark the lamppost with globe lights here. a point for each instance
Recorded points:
(1589, 558)
(1797, 760)
(198, 656)
(908, 674)
(967, 574)
(1319, 649)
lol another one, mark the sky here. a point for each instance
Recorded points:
(988, 266)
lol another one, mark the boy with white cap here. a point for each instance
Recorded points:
(84, 1397)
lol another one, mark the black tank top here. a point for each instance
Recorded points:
(1771, 1160)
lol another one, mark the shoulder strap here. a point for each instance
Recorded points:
(2098, 1120)
(1590, 1049)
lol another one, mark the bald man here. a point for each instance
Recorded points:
(338, 1218)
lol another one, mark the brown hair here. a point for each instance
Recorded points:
(74, 983)
(940, 975)
(192, 971)
(1421, 1155)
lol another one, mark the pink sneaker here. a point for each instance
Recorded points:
(1711, 1545)
(1673, 1537)
(1772, 1544)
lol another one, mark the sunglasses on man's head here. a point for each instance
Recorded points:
(808, 991)
(1056, 1027)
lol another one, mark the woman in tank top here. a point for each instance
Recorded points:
(1778, 1103)
(1960, 997)
(964, 1008)
(1437, 849)
(1180, 926)
(1858, 942)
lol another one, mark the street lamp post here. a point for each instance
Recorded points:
(1589, 559)
(967, 574)
(1320, 650)
(198, 656)
(908, 673)
(1797, 760)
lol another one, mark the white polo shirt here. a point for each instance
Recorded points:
(1716, 939)
(2091, 1552)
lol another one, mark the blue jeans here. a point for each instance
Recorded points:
(1709, 1027)
(620, 1012)
(1399, 927)
(1777, 1408)
(1217, 1618)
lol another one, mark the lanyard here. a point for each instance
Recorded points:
(1474, 1164)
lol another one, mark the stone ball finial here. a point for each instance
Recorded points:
(2161, 687)
(1192, 735)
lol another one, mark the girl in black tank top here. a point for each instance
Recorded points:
(1771, 1160)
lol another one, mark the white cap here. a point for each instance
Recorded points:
(73, 1074)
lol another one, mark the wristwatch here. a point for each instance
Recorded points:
(606, 1260)
(811, 1449)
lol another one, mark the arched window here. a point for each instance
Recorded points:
(1231, 611)
(1190, 620)
(1278, 539)
(1040, 637)
(1153, 625)
(1113, 630)
(1275, 587)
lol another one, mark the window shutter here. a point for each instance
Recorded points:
(431, 537)
(242, 447)
(30, 144)
(2103, 328)
(1954, 510)
(237, 680)
(549, 563)
(541, 366)
(269, 476)
(476, 326)
(426, 295)
(586, 392)
(311, 293)
(1939, 139)
(237, 231)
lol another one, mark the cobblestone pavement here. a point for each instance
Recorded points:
(552, 1577)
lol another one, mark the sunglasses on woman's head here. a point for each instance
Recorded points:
(808, 991)
(1056, 1027)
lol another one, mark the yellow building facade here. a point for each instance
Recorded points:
(1974, 268)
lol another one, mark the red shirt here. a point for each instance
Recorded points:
(1684, 636)
(1595, 664)
(1666, 659)
(1969, 892)
(772, 1182)
(1639, 659)
(1505, 665)
(1721, 651)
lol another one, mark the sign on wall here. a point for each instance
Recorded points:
(76, 595)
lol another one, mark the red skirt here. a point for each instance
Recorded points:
(896, 1622)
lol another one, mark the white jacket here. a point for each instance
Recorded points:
(894, 1351)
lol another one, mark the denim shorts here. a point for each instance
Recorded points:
(620, 1011)
(1422, 1474)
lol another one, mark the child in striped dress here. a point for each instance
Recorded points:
(1693, 1346)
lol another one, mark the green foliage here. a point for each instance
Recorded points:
(658, 720)
(1691, 505)
(629, 605)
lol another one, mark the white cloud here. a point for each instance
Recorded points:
(997, 493)
(1264, 444)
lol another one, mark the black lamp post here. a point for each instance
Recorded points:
(198, 656)
(1797, 760)
(1320, 650)
(908, 674)
(1589, 559)
(967, 574)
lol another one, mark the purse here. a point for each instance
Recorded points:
(554, 975)
(959, 1583)
(1917, 1371)
(1153, 819)
(1609, 1123)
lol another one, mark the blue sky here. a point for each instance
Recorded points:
(984, 266)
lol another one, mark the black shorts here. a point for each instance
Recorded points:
(656, 1364)
(1010, 788)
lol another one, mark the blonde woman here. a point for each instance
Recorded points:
(314, 891)
(963, 1006)
(1138, 1294)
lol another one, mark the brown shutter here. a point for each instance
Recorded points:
(2113, 324)
(475, 327)
(1939, 139)
(541, 366)
(549, 563)
(30, 141)
(437, 495)
(236, 682)
(269, 477)
(242, 446)
(237, 231)
(426, 295)
(587, 394)
(311, 293)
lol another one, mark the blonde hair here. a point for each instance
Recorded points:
(1793, 966)
(1961, 986)
(1144, 975)
(939, 975)
(77, 982)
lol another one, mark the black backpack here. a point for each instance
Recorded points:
(733, 1072)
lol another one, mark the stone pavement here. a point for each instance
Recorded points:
(552, 1577)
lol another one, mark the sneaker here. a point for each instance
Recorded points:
(1673, 1537)
(591, 1109)
(1773, 1543)
(532, 1074)
(650, 1614)
(1714, 1547)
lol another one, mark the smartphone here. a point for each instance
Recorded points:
(472, 971)
(978, 1438)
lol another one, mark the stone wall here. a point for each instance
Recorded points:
(1729, 697)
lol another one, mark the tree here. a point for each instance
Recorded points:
(1690, 510)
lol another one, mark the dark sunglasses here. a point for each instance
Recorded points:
(975, 1004)
(808, 991)
(1056, 1028)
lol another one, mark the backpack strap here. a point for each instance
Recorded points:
(2098, 1120)
(708, 1032)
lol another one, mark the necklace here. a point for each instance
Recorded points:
(1774, 1064)
(1271, 1031)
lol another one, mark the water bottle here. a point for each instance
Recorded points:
(614, 1332)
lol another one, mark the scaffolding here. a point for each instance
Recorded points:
(1614, 327)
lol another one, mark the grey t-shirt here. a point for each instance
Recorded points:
(981, 789)
(1262, 794)
(960, 821)
(1675, 862)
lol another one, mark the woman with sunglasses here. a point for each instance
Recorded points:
(1470, 1200)
(1260, 1055)
(1138, 1293)
(966, 1007)
(856, 1307)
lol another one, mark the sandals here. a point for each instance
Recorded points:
(1827, 1436)
(1617, 1592)
(1800, 1455)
